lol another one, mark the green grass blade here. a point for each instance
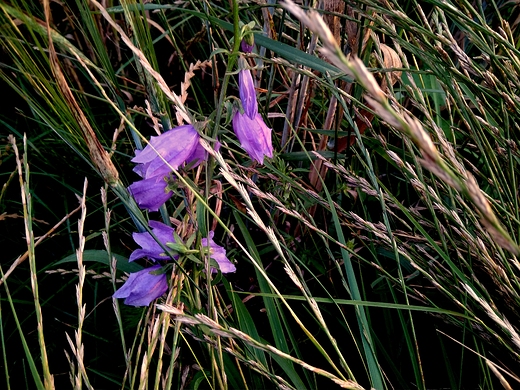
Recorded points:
(364, 326)
(28, 355)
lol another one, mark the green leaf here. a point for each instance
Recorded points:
(101, 256)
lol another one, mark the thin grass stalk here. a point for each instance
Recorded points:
(216, 361)
(217, 365)
(140, 329)
(201, 319)
(113, 268)
(98, 155)
(289, 113)
(232, 59)
(275, 315)
(22, 258)
(79, 351)
(152, 334)
(174, 298)
(210, 167)
(138, 23)
(36, 26)
(4, 351)
(6, 185)
(93, 37)
(181, 113)
(376, 191)
(299, 281)
(225, 171)
(367, 161)
(143, 373)
(164, 327)
(446, 289)
(487, 361)
(364, 327)
(411, 340)
(32, 365)
(317, 25)
(29, 237)
(197, 360)
(301, 97)
(242, 376)
(258, 367)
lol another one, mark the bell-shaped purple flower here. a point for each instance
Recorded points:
(143, 287)
(218, 254)
(151, 193)
(254, 136)
(247, 92)
(175, 146)
(149, 246)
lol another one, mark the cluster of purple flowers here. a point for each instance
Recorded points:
(175, 148)
(144, 286)
(172, 149)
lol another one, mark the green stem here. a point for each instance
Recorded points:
(231, 63)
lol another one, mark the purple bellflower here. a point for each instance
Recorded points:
(151, 193)
(247, 92)
(143, 287)
(175, 146)
(149, 247)
(254, 136)
(218, 254)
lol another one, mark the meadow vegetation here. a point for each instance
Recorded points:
(312, 195)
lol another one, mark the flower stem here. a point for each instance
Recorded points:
(231, 63)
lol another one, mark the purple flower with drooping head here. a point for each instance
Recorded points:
(247, 92)
(218, 254)
(151, 193)
(149, 246)
(175, 146)
(171, 149)
(254, 136)
(143, 287)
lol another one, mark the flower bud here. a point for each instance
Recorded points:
(248, 39)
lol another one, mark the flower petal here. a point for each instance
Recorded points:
(254, 136)
(175, 146)
(218, 254)
(150, 193)
(246, 47)
(198, 156)
(247, 92)
(149, 246)
(143, 287)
